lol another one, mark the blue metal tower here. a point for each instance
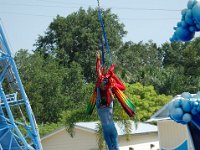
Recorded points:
(16, 133)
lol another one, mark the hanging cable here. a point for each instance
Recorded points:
(102, 50)
(104, 33)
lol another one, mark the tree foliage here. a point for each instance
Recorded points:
(43, 83)
(141, 62)
(180, 64)
(146, 99)
(59, 75)
(76, 38)
(48, 85)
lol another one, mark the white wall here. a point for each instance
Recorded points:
(172, 134)
(85, 140)
(140, 142)
(82, 140)
(145, 146)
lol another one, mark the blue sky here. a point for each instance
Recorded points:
(24, 20)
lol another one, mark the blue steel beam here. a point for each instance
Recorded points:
(6, 134)
(32, 130)
(12, 120)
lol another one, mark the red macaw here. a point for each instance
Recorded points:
(110, 81)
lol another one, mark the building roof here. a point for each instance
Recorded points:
(142, 128)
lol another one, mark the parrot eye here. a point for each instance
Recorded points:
(105, 81)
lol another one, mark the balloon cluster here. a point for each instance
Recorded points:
(182, 108)
(189, 24)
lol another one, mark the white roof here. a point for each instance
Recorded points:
(92, 127)
(141, 127)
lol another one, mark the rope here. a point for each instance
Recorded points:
(102, 51)
(104, 35)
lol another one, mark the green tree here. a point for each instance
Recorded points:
(191, 61)
(43, 83)
(173, 54)
(76, 38)
(181, 70)
(146, 99)
(73, 85)
(141, 62)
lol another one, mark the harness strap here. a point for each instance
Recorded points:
(104, 35)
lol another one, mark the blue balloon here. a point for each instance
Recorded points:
(198, 108)
(177, 103)
(196, 12)
(174, 38)
(191, 103)
(186, 95)
(179, 24)
(184, 24)
(191, 3)
(189, 13)
(187, 117)
(183, 18)
(192, 29)
(177, 114)
(194, 111)
(188, 17)
(186, 106)
(189, 20)
(183, 12)
(184, 34)
(198, 26)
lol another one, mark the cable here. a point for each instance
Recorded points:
(120, 8)
(104, 33)
(126, 8)
(129, 19)
(148, 19)
(26, 14)
(37, 5)
(60, 2)
(147, 9)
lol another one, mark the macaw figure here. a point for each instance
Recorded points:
(111, 85)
